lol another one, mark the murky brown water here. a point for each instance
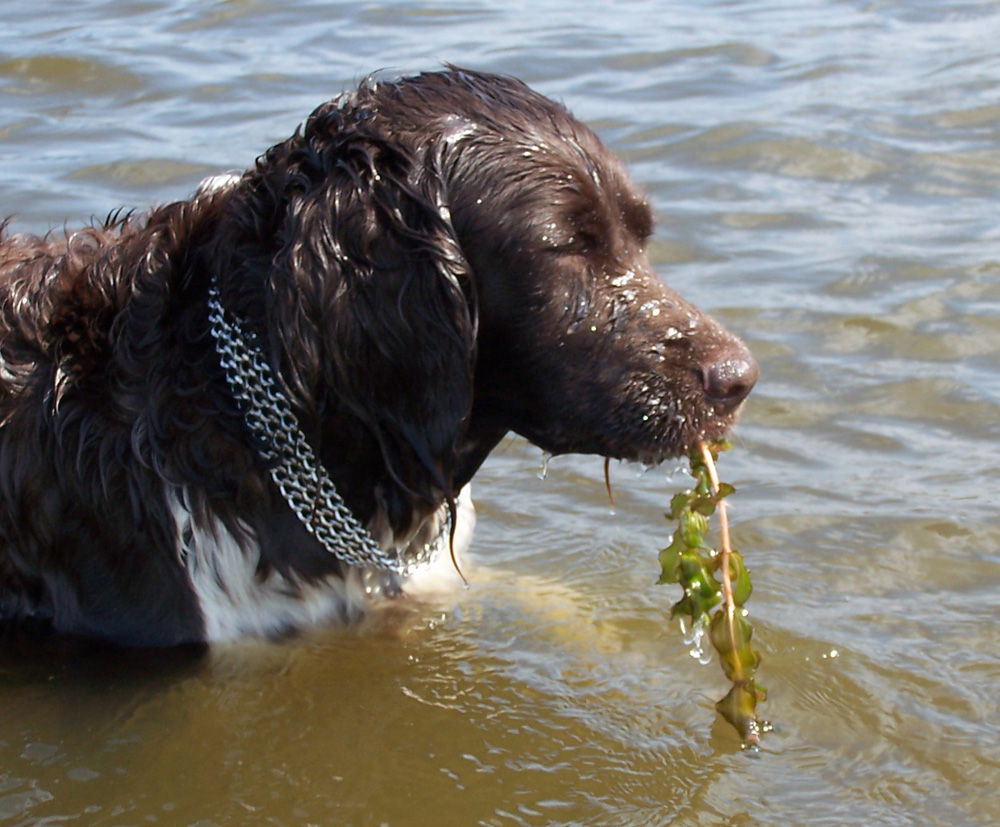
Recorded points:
(826, 180)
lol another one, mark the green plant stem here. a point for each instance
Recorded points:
(716, 585)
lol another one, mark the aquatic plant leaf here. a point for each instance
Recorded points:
(730, 635)
(693, 527)
(682, 607)
(678, 503)
(670, 559)
(703, 488)
(739, 664)
(699, 584)
(740, 578)
(739, 707)
(704, 506)
(690, 561)
(725, 489)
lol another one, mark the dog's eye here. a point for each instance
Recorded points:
(573, 237)
(588, 230)
(589, 239)
(638, 218)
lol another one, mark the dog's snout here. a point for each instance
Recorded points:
(728, 380)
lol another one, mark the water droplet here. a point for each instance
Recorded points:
(543, 472)
(673, 471)
(695, 638)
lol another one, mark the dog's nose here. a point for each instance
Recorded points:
(728, 381)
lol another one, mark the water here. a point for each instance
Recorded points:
(825, 177)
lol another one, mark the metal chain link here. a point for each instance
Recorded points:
(295, 469)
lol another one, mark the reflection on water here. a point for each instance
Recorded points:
(825, 180)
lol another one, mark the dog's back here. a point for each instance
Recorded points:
(79, 525)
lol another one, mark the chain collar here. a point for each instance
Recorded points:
(295, 469)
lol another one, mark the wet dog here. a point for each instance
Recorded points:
(260, 408)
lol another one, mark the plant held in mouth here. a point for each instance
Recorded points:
(716, 585)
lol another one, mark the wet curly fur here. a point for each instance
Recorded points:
(431, 262)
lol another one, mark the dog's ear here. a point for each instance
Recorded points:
(371, 279)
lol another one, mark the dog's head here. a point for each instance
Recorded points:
(582, 348)
(454, 257)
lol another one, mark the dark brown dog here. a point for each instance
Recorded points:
(426, 265)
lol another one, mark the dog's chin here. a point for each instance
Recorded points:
(651, 439)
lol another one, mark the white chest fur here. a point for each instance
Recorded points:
(236, 601)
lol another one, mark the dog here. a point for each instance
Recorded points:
(260, 409)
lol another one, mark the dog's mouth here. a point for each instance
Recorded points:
(675, 435)
(649, 438)
(673, 422)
